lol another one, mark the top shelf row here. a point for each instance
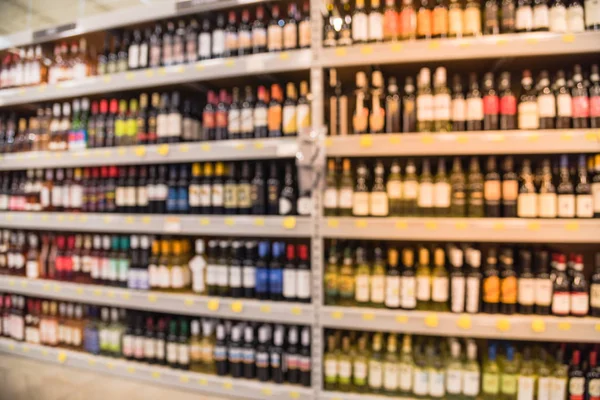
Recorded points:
(496, 46)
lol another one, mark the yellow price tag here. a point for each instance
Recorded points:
(289, 222)
(532, 40)
(402, 319)
(462, 139)
(110, 365)
(205, 147)
(538, 325)
(368, 316)
(121, 151)
(572, 226)
(499, 226)
(188, 301)
(497, 137)
(152, 298)
(434, 45)
(265, 308)
(401, 225)
(23, 284)
(202, 382)
(296, 310)
(259, 145)
(184, 148)
(566, 136)
(213, 305)
(361, 223)
(427, 139)
(83, 218)
(284, 55)
(107, 79)
(229, 221)
(129, 219)
(46, 287)
(227, 385)
(464, 322)
(11, 282)
(131, 370)
(341, 52)
(237, 306)
(162, 71)
(204, 221)
(91, 361)
(328, 142)
(106, 219)
(62, 357)
(79, 290)
(125, 295)
(533, 137)
(240, 146)
(200, 67)
(431, 225)
(110, 294)
(11, 346)
(394, 139)
(461, 226)
(597, 328)
(564, 326)
(337, 315)
(266, 391)
(533, 226)
(503, 324)
(568, 38)
(140, 151)
(259, 221)
(97, 292)
(365, 141)
(57, 288)
(146, 220)
(163, 149)
(229, 62)
(155, 374)
(432, 320)
(396, 47)
(333, 223)
(25, 349)
(130, 76)
(366, 50)
(184, 379)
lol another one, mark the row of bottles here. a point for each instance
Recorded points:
(265, 352)
(264, 270)
(162, 118)
(184, 41)
(409, 19)
(453, 279)
(491, 104)
(163, 189)
(552, 190)
(435, 368)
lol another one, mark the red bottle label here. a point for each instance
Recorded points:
(490, 105)
(581, 107)
(508, 105)
(595, 108)
(221, 119)
(208, 119)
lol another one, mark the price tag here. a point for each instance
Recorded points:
(146, 220)
(57, 288)
(396, 47)
(568, 38)
(213, 305)
(110, 365)
(464, 45)
(129, 76)
(227, 385)
(11, 346)
(533, 137)
(129, 220)
(289, 222)
(97, 292)
(434, 45)
(205, 147)
(284, 55)
(202, 382)
(532, 41)
(162, 71)
(365, 141)
(266, 391)
(431, 225)
(23, 284)
(83, 218)
(44, 217)
(163, 150)
(296, 310)
(533, 226)
(107, 219)
(237, 306)
(79, 290)
(497, 137)
(265, 308)
(229, 62)
(259, 221)
(499, 226)
(464, 322)
(110, 294)
(188, 301)
(172, 224)
(121, 151)
(341, 52)
(368, 316)
(62, 357)
(125, 295)
(337, 315)
(463, 139)
(200, 67)
(361, 223)
(180, 69)
(591, 136)
(394, 139)
(11, 282)
(597, 327)
(131, 370)
(229, 221)
(538, 325)
(294, 395)
(427, 139)
(204, 221)
(107, 79)
(60, 218)
(25, 349)
(152, 298)
(432, 321)
(333, 223)
(46, 287)
(155, 374)
(461, 226)
(328, 142)
(503, 324)
(184, 148)
(140, 151)
(91, 361)
(149, 73)
(566, 136)
(564, 326)
(366, 50)
(572, 226)
(184, 379)
(259, 145)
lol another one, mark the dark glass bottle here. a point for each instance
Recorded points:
(221, 116)
(230, 191)
(508, 103)
(546, 102)
(492, 191)
(510, 189)
(580, 100)
(475, 188)
(273, 190)
(491, 103)
(595, 94)
(491, 284)
(458, 105)
(526, 284)
(576, 385)
(208, 117)
(474, 105)
(564, 110)
(258, 191)
(288, 195)
(508, 283)
(409, 107)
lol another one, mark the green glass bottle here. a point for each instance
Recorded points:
(405, 367)
(330, 360)
(471, 373)
(344, 364)
(475, 206)
(508, 380)
(526, 382)
(331, 195)
(394, 189)
(440, 287)
(420, 375)
(458, 182)
(375, 373)
(436, 371)
(408, 286)
(346, 190)
(544, 374)
(390, 366)
(331, 277)
(346, 279)
(360, 365)
(454, 372)
(560, 376)
(378, 279)
(423, 280)
(491, 375)
(442, 193)
(410, 190)
(363, 278)
(392, 280)
(425, 200)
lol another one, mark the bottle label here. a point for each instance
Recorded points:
(423, 288)
(274, 38)
(442, 194)
(546, 105)
(459, 107)
(439, 291)
(543, 388)
(375, 374)
(543, 292)
(260, 117)
(594, 384)
(558, 19)
(454, 381)
(541, 16)
(217, 195)
(376, 26)
(508, 105)
(561, 303)
(57, 196)
(420, 382)
(576, 388)
(390, 376)
(425, 107)
(360, 27)
(302, 117)
(394, 189)
(360, 203)
(455, 23)
(580, 303)
(526, 388)
(405, 378)
(330, 200)
(584, 206)
(492, 192)
(524, 18)
(408, 296)
(289, 283)
(304, 284)
(595, 295)
(558, 387)
(331, 371)
(595, 100)
(547, 205)
(580, 106)
(194, 195)
(362, 288)
(527, 205)
(575, 22)
(458, 294)
(392, 291)
(491, 289)
(475, 109)
(441, 104)
(566, 205)
(222, 276)
(379, 204)
(526, 291)
(377, 289)
(491, 105)
(471, 383)
(359, 371)
(508, 385)
(425, 199)
(528, 115)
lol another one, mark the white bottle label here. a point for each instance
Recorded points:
(360, 204)
(474, 109)
(425, 199)
(134, 56)
(592, 12)
(558, 389)
(543, 388)
(425, 107)
(595, 295)
(359, 370)
(558, 19)
(346, 197)
(526, 291)
(423, 288)
(392, 291)
(528, 115)
(390, 376)
(420, 382)
(541, 16)
(576, 387)
(442, 195)
(441, 104)
(394, 189)
(524, 18)
(575, 19)
(360, 27)
(439, 291)
(411, 190)
(405, 378)
(330, 200)
(564, 105)
(473, 288)
(377, 289)
(454, 381)
(566, 205)
(375, 374)
(408, 298)
(379, 204)
(561, 303)
(584, 206)
(458, 294)
(376, 26)
(547, 205)
(526, 388)
(362, 288)
(527, 205)
(304, 284)
(546, 105)
(459, 110)
(580, 304)
(543, 292)
(471, 383)
(289, 283)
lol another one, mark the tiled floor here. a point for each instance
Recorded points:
(24, 379)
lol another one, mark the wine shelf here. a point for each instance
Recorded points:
(327, 395)
(225, 150)
(241, 225)
(511, 230)
(172, 303)
(465, 143)
(192, 381)
(220, 68)
(516, 327)
(496, 46)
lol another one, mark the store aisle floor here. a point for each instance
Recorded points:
(24, 379)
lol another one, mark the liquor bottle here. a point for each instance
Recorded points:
(509, 377)
(290, 274)
(594, 95)
(510, 189)
(423, 280)
(390, 21)
(475, 188)
(454, 372)
(275, 31)
(508, 283)
(426, 191)
(524, 16)
(375, 376)
(580, 293)
(543, 284)
(457, 280)
(583, 193)
(394, 190)
(440, 287)
(289, 117)
(330, 361)
(235, 270)
(441, 93)
(564, 110)
(561, 288)
(205, 41)
(345, 31)
(458, 104)
(508, 103)
(424, 20)
(546, 99)
(475, 108)
(331, 195)
(303, 117)
(409, 107)
(492, 189)
(593, 377)
(377, 290)
(526, 286)
(230, 191)
(360, 197)
(527, 201)
(360, 23)
(547, 197)
(458, 203)
(424, 101)
(219, 38)
(420, 372)
(218, 190)
(377, 114)
(244, 34)
(491, 103)
(408, 281)
(360, 120)
(288, 195)
(491, 284)
(304, 27)
(576, 385)
(528, 105)
(378, 200)
(595, 288)
(580, 100)
(258, 191)
(346, 279)
(221, 116)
